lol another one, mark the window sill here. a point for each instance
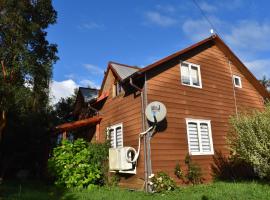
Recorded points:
(194, 86)
(201, 153)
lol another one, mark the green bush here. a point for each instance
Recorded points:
(194, 171)
(162, 182)
(249, 140)
(193, 174)
(78, 164)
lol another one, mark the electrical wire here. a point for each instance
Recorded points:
(205, 17)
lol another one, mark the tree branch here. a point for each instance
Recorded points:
(3, 69)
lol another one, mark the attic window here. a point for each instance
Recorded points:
(237, 81)
(117, 89)
(191, 74)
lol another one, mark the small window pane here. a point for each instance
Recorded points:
(237, 81)
(111, 135)
(205, 139)
(193, 137)
(185, 74)
(119, 137)
(195, 76)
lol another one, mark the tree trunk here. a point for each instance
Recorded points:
(3, 122)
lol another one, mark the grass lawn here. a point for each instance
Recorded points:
(219, 190)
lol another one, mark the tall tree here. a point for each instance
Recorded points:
(26, 60)
(26, 56)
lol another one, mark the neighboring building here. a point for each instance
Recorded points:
(201, 87)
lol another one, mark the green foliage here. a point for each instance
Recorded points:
(193, 174)
(78, 163)
(26, 59)
(178, 171)
(249, 140)
(162, 182)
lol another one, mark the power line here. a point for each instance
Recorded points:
(205, 17)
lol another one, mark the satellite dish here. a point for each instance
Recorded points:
(155, 111)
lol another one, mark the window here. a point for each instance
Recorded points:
(117, 89)
(237, 81)
(190, 74)
(199, 137)
(115, 134)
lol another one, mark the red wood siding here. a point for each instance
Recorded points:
(126, 110)
(214, 101)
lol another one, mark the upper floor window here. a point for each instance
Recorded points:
(117, 89)
(237, 81)
(191, 74)
(199, 137)
(115, 134)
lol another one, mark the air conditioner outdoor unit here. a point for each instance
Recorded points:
(118, 159)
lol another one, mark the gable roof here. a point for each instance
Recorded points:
(88, 93)
(225, 49)
(122, 70)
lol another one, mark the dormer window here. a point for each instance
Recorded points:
(190, 74)
(237, 81)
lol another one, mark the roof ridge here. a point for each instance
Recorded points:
(123, 65)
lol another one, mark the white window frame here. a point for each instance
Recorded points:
(240, 81)
(198, 121)
(190, 79)
(115, 126)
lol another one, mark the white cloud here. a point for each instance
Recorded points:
(65, 88)
(250, 35)
(259, 67)
(196, 29)
(89, 83)
(166, 8)
(93, 69)
(156, 18)
(61, 89)
(207, 7)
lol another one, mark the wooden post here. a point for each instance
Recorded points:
(64, 135)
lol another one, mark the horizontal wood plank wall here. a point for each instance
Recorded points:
(126, 110)
(215, 102)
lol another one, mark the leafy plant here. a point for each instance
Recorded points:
(193, 174)
(163, 182)
(249, 140)
(78, 163)
(178, 171)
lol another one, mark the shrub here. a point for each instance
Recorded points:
(193, 174)
(78, 163)
(194, 171)
(178, 171)
(162, 182)
(249, 140)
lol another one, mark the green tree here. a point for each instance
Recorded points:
(265, 82)
(26, 56)
(26, 60)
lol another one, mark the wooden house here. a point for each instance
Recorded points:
(201, 87)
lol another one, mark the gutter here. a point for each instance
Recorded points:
(143, 92)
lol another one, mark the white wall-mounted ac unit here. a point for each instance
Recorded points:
(118, 159)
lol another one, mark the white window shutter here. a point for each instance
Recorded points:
(119, 136)
(111, 134)
(205, 138)
(193, 135)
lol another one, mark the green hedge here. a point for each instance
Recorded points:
(250, 140)
(79, 164)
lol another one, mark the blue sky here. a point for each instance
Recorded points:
(91, 33)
